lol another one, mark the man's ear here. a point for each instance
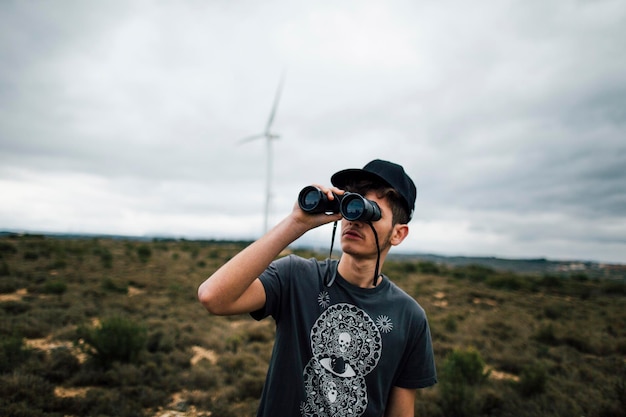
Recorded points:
(400, 232)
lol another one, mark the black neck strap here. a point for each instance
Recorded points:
(376, 273)
(330, 279)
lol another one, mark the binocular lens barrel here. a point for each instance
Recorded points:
(356, 207)
(352, 206)
(312, 200)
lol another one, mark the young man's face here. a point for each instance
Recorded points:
(357, 238)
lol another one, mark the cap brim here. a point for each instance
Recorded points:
(341, 178)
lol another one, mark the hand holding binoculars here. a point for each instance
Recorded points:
(352, 206)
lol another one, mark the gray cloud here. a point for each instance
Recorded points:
(510, 115)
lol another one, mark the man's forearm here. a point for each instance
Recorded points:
(225, 287)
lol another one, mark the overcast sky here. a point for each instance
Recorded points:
(124, 117)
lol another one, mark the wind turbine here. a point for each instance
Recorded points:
(269, 137)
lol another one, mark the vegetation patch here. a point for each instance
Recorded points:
(105, 327)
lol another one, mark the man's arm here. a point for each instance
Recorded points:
(235, 287)
(401, 402)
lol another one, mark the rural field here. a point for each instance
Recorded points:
(112, 327)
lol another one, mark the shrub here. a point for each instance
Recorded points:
(31, 256)
(477, 273)
(203, 400)
(54, 287)
(102, 402)
(461, 371)
(116, 339)
(233, 342)
(109, 285)
(161, 341)
(492, 402)
(614, 288)
(260, 334)
(620, 388)
(15, 307)
(201, 378)
(144, 253)
(26, 395)
(125, 375)
(236, 366)
(450, 323)
(222, 407)
(428, 268)
(106, 257)
(58, 264)
(250, 386)
(8, 248)
(90, 376)
(532, 380)
(403, 268)
(8, 284)
(551, 281)
(505, 282)
(158, 371)
(12, 352)
(546, 335)
(61, 365)
(465, 366)
(458, 399)
(5, 271)
(554, 312)
(579, 344)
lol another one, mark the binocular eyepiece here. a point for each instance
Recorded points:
(352, 206)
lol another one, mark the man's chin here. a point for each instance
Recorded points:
(357, 252)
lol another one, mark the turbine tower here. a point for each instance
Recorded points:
(269, 137)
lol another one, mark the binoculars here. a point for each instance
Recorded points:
(352, 206)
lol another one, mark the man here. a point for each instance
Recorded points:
(349, 342)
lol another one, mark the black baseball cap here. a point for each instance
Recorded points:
(390, 173)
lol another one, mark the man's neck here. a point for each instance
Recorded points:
(359, 271)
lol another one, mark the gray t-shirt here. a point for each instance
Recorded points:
(340, 349)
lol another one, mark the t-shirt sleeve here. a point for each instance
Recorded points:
(274, 278)
(418, 368)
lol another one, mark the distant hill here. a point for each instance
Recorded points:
(540, 266)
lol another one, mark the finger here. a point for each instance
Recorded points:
(329, 191)
(337, 191)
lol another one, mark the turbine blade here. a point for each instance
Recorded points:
(250, 138)
(275, 106)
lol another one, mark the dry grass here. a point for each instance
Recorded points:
(198, 365)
